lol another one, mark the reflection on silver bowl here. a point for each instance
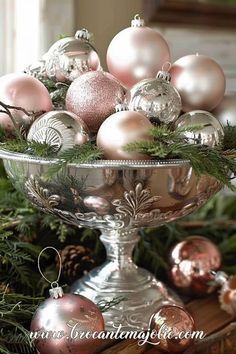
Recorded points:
(117, 197)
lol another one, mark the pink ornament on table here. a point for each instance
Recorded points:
(200, 82)
(136, 53)
(191, 263)
(22, 90)
(93, 97)
(62, 318)
(120, 129)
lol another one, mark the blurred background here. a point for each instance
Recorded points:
(29, 27)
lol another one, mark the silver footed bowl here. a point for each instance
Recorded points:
(118, 198)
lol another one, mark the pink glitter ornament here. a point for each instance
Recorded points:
(93, 97)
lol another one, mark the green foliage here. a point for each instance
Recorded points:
(57, 90)
(230, 137)
(58, 97)
(78, 154)
(16, 312)
(169, 144)
(31, 148)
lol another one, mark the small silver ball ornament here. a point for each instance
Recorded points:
(210, 133)
(60, 129)
(156, 98)
(71, 57)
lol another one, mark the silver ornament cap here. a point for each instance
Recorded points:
(164, 75)
(83, 34)
(137, 21)
(57, 292)
(121, 107)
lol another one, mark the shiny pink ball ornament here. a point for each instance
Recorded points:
(22, 90)
(192, 261)
(200, 82)
(61, 319)
(136, 53)
(120, 129)
(93, 97)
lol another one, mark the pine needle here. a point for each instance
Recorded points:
(171, 144)
(78, 154)
(229, 137)
(31, 148)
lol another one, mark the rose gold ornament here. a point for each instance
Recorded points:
(24, 91)
(68, 314)
(192, 261)
(227, 294)
(226, 109)
(210, 132)
(200, 82)
(170, 322)
(93, 97)
(120, 129)
(137, 53)
(60, 129)
(59, 321)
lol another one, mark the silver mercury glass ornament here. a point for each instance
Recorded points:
(156, 98)
(36, 69)
(210, 130)
(60, 129)
(71, 57)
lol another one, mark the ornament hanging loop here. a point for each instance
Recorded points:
(56, 291)
(166, 66)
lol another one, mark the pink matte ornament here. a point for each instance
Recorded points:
(22, 90)
(200, 82)
(136, 53)
(59, 321)
(120, 129)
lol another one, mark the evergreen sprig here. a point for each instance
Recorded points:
(78, 154)
(31, 148)
(229, 137)
(16, 311)
(169, 144)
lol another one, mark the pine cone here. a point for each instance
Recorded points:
(28, 238)
(76, 260)
(5, 289)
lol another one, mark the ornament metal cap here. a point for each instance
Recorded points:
(137, 21)
(220, 277)
(56, 292)
(83, 34)
(121, 107)
(164, 73)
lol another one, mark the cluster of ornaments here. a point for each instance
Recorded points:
(118, 107)
(195, 269)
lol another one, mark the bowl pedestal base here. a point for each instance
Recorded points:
(120, 277)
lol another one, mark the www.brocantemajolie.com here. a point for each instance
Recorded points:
(150, 336)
